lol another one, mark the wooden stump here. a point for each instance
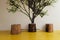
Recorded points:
(32, 28)
(49, 27)
(15, 28)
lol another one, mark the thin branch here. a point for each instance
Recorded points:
(21, 7)
(29, 17)
(24, 7)
(29, 10)
(23, 12)
(41, 10)
(29, 13)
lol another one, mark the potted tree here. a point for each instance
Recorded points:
(34, 7)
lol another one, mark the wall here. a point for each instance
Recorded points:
(6, 18)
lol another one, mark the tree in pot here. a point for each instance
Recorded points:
(28, 7)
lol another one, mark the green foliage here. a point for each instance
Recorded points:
(14, 4)
(36, 6)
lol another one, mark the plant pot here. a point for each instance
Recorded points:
(49, 27)
(15, 28)
(32, 27)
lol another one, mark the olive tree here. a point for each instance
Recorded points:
(28, 7)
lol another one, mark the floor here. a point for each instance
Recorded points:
(40, 35)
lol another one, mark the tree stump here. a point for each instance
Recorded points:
(49, 27)
(15, 28)
(32, 28)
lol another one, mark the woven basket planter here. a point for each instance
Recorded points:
(15, 28)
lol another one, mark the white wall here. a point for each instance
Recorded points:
(6, 19)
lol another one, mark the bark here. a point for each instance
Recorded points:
(33, 18)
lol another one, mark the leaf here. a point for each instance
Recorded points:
(43, 13)
(36, 6)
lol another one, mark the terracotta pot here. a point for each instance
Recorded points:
(15, 28)
(49, 27)
(32, 28)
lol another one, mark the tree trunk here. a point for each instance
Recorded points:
(32, 21)
(33, 18)
(32, 26)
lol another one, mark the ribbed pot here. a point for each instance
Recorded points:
(49, 27)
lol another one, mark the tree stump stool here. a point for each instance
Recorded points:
(49, 27)
(32, 28)
(15, 28)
